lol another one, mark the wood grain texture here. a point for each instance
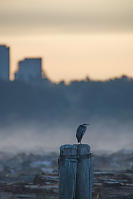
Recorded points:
(83, 172)
(75, 172)
(67, 171)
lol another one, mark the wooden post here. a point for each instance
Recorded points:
(75, 172)
(83, 181)
(67, 171)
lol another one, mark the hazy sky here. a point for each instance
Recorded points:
(76, 38)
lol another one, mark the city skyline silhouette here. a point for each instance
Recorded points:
(44, 69)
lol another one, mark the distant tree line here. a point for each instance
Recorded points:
(60, 103)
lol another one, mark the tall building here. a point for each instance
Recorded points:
(4, 62)
(29, 69)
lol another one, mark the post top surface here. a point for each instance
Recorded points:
(74, 149)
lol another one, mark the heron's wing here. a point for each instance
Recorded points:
(80, 132)
(81, 129)
(84, 129)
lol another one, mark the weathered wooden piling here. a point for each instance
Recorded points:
(67, 171)
(75, 172)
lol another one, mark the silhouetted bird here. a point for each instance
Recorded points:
(81, 131)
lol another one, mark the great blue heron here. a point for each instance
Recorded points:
(81, 131)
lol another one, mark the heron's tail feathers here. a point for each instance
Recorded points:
(79, 140)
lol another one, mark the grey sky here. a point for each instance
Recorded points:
(65, 16)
